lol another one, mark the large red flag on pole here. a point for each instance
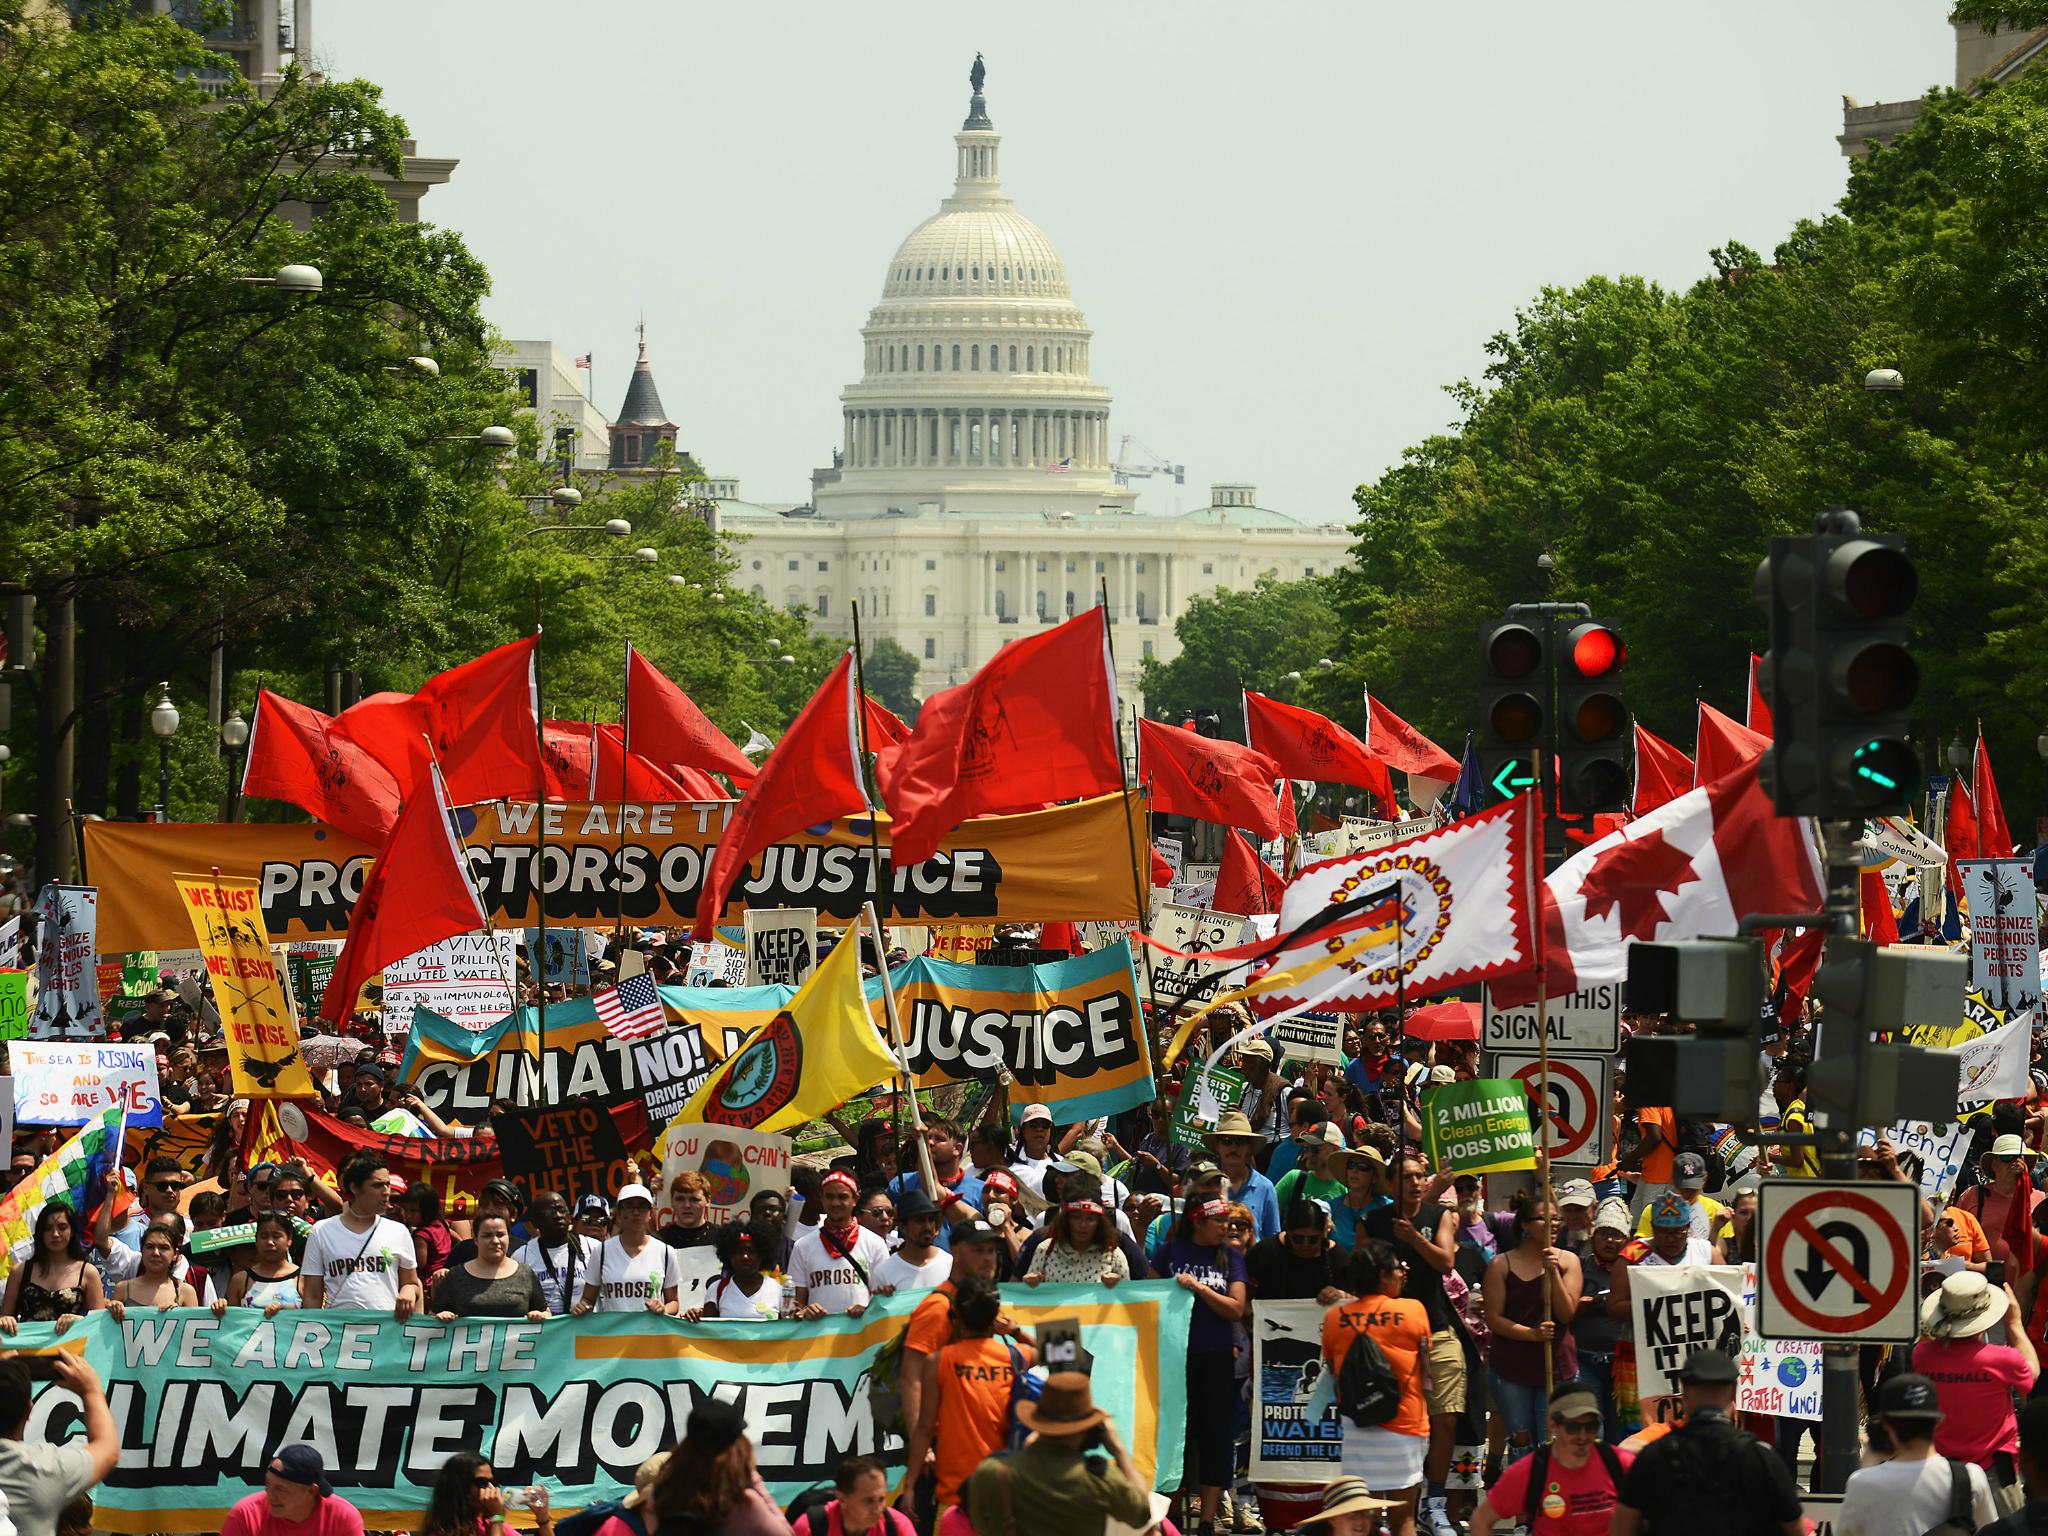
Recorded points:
(813, 775)
(1399, 745)
(296, 755)
(1960, 834)
(1994, 837)
(1759, 717)
(1316, 748)
(1209, 779)
(1245, 883)
(1663, 773)
(664, 726)
(418, 893)
(482, 717)
(1724, 746)
(1034, 725)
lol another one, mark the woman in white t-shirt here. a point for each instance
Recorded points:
(361, 1258)
(743, 1289)
(634, 1271)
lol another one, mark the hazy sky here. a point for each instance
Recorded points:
(1288, 224)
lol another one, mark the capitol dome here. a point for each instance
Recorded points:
(975, 359)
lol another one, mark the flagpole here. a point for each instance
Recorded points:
(1543, 1074)
(1138, 887)
(877, 890)
(924, 1151)
(625, 752)
(540, 871)
(490, 928)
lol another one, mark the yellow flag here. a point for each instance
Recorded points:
(813, 1056)
(1340, 953)
(262, 1036)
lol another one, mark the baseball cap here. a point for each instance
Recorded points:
(593, 1205)
(1670, 1210)
(1909, 1396)
(1035, 1112)
(301, 1464)
(1078, 1162)
(1612, 1216)
(1198, 1170)
(635, 1192)
(1576, 1192)
(1689, 1170)
(1256, 1047)
(974, 1230)
(1708, 1368)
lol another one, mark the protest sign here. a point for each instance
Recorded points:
(574, 1404)
(1994, 1065)
(13, 1005)
(1780, 1377)
(1205, 1097)
(262, 1035)
(781, 946)
(1195, 885)
(465, 980)
(69, 1084)
(961, 943)
(67, 978)
(566, 962)
(1069, 1035)
(1310, 1037)
(1480, 1126)
(1174, 852)
(455, 1167)
(459, 1072)
(187, 1137)
(1071, 862)
(1942, 1150)
(10, 943)
(1297, 1433)
(1192, 930)
(736, 1164)
(716, 963)
(310, 965)
(572, 1149)
(1678, 1308)
(2005, 937)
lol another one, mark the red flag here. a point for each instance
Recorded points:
(570, 758)
(1960, 836)
(1314, 747)
(664, 726)
(1798, 959)
(1691, 869)
(482, 717)
(1245, 884)
(1663, 773)
(885, 726)
(1059, 936)
(423, 873)
(386, 726)
(1162, 872)
(1880, 923)
(296, 755)
(1993, 835)
(1724, 746)
(1399, 745)
(1759, 717)
(645, 781)
(1035, 725)
(1208, 779)
(812, 776)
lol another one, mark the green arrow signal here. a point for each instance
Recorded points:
(1513, 777)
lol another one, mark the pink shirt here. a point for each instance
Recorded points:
(1974, 1382)
(1991, 1209)
(331, 1517)
(1570, 1502)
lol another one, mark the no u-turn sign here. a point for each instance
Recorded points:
(1840, 1261)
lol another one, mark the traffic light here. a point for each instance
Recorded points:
(1514, 714)
(1593, 737)
(1839, 677)
(1860, 988)
(1716, 985)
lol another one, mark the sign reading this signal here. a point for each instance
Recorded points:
(1839, 1261)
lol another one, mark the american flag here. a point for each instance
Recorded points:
(583, 361)
(1059, 466)
(632, 1009)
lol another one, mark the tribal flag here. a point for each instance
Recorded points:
(79, 1173)
(631, 1010)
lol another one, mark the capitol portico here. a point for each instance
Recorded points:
(972, 497)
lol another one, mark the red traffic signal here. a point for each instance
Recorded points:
(1595, 650)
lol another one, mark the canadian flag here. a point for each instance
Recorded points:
(1691, 869)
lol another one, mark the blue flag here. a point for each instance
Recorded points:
(1469, 795)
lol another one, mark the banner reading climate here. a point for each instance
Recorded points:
(573, 1404)
(1071, 862)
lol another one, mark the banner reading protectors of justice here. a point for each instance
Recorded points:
(1071, 863)
(573, 1403)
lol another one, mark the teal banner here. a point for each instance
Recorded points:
(572, 1403)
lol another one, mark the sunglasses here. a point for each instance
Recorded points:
(166, 1185)
(1578, 1426)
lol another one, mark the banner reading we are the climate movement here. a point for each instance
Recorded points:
(574, 1404)
(1070, 862)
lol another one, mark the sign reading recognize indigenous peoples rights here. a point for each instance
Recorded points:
(1071, 862)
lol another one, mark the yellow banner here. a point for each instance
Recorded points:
(262, 1036)
(1072, 862)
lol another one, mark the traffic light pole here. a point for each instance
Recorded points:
(1841, 1427)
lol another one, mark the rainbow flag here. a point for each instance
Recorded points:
(77, 1173)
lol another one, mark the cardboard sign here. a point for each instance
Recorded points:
(10, 943)
(13, 1005)
(1678, 1309)
(1479, 1126)
(1942, 1150)
(2005, 939)
(782, 945)
(1297, 1433)
(1205, 1097)
(572, 1149)
(1310, 1037)
(69, 1084)
(1780, 1377)
(462, 979)
(714, 963)
(262, 1033)
(565, 962)
(736, 1164)
(1193, 929)
(67, 974)
(1586, 1021)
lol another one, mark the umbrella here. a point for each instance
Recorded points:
(1453, 1020)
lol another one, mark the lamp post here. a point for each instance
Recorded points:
(163, 723)
(2041, 821)
(617, 528)
(1958, 754)
(234, 735)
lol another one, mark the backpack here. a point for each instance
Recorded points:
(1960, 1520)
(1539, 1471)
(1368, 1391)
(885, 1382)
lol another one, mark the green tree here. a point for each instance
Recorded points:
(891, 674)
(1236, 640)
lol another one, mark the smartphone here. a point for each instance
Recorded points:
(519, 1498)
(1994, 1273)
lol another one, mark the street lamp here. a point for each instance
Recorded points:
(1958, 754)
(616, 527)
(1326, 665)
(424, 367)
(234, 735)
(293, 278)
(1884, 381)
(163, 723)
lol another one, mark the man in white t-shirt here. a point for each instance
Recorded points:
(559, 1257)
(920, 1263)
(362, 1258)
(1912, 1492)
(833, 1266)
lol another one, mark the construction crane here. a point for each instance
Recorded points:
(1124, 471)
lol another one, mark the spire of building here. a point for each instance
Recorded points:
(643, 400)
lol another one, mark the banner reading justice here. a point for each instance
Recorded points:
(1071, 862)
(201, 1403)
